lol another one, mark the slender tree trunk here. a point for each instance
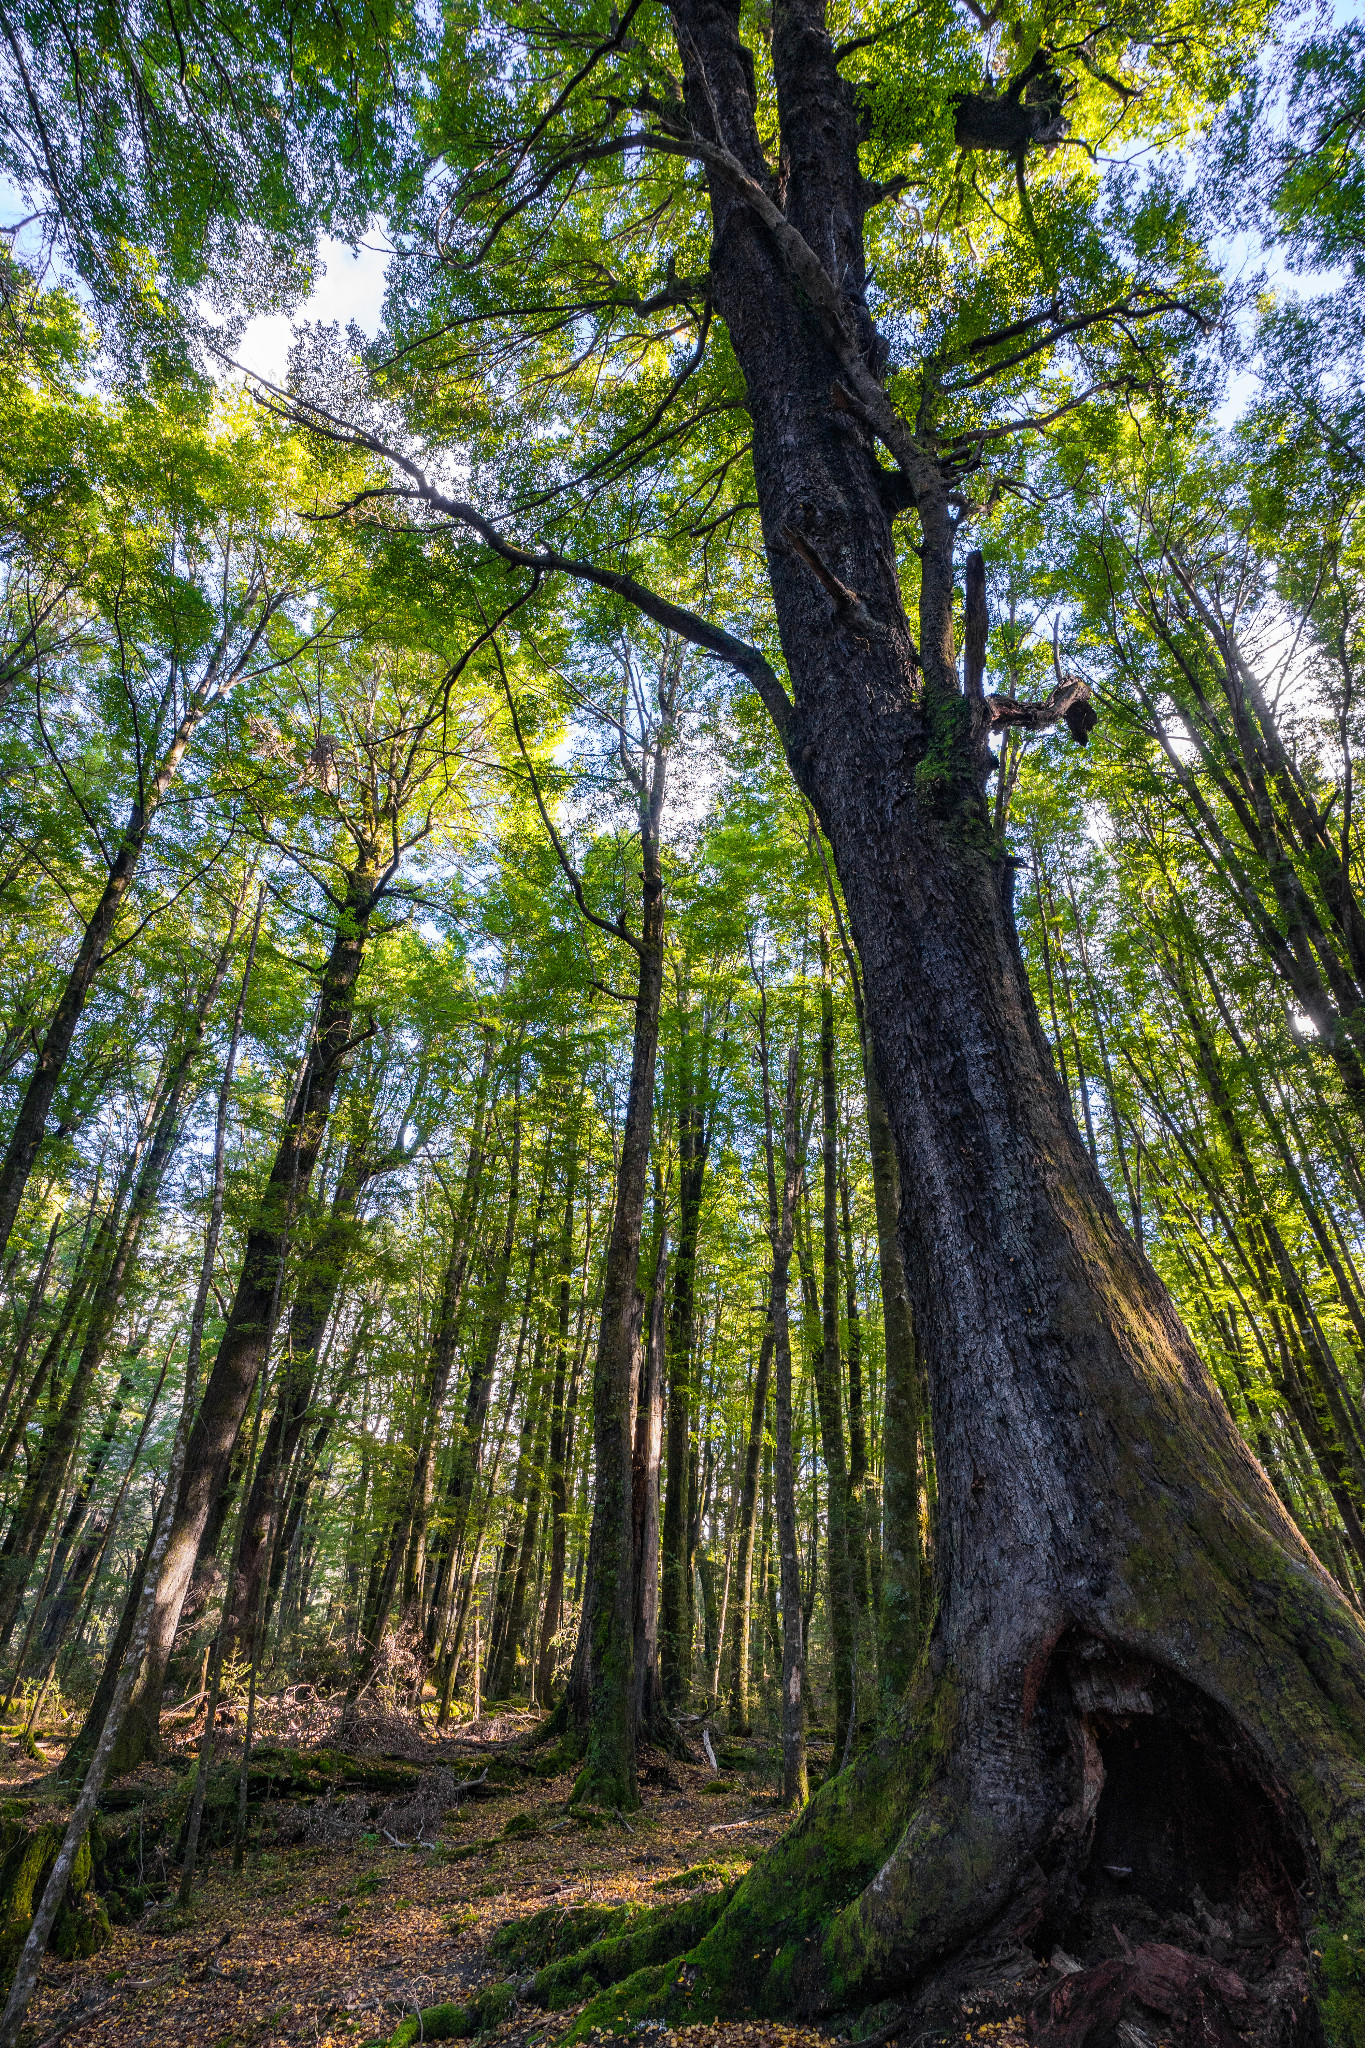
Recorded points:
(794, 1786)
(314, 1300)
(748, 1514)
(465, 1454)
(442, 1362)
(246, 1338)
(32, 1311)
(601, 1696)
(30, 1124)
(840, 1543)
(860, 1544)
(899, 1622)
(530, 1529)
(646, 1463)
(679, 1545)
(497, 1674)
(34, 1513)
(562, 1401)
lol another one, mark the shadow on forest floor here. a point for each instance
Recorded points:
(373, 1895)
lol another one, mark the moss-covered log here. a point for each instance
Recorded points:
(653, 1935)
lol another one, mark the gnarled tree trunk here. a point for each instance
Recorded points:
(1137, 1662)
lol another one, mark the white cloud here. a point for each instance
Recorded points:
(350, 286)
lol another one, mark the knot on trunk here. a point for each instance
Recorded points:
(1029, 112)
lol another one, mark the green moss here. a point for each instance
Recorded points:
(769, 1950)
(559, 1931)
(488, 2009)
(657, 1935)
(621, 2007)
(698, 1874)
(1340, 1973)
(434, 2023)
(521, 1826)
(945, 766)
(82, 1924)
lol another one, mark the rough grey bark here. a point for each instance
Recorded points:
(1102, 1526)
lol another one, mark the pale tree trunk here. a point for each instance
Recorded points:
(793, 1720)
(562, 1403)
(465, 1452)
(748, 1515)
(841, 1546)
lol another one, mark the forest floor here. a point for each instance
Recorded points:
(332, 1938)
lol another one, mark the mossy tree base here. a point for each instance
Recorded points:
(1151, 1869)
(27, 1854)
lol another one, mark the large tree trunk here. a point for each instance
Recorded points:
(1137, 1661)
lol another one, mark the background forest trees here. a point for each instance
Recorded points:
(322, 843)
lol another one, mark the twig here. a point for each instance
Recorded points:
(624, 1822)
(76, 2019)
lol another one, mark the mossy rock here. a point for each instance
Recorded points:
(521, 1827)
(27, 1854)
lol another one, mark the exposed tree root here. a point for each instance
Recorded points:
(1121, 1867)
